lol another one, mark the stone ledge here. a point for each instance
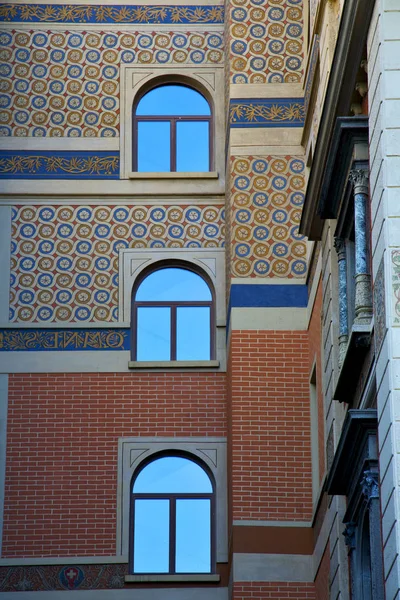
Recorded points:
(173, 364)
(174, 175)
(178, 578)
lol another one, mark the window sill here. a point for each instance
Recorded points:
(173, 364)
(174, 175)
(181, 578)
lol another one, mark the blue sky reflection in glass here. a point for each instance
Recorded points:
(151, 539)
(179, 142)
(193, 323)
(172, 475)
(173, 100)
(193, 536)
(154, 333)
(173, 284)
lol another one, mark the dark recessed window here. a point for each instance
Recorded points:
(172, 130)
(173, 317)
(172, 513)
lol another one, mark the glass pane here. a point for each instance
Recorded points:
(193, 333)
(192, 146)
(173, 100)
(193, 536)
(154, 146)
(172, 475)
(153, 333)
(173, 284)
(151, 536)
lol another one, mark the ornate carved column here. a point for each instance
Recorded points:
(340, 248)
(370, 488)
(363, 301)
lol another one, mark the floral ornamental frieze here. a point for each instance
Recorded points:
(267, 196)
(59, 165)
(266, 41)
(66, 83)
(81, 13)
(16, 340)
(269, 112)
(65, 259)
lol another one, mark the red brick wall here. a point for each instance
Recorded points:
(62, 441)
(269, 428)
(315, 333)
(274, 591)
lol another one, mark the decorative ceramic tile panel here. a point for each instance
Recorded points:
(62, 577)
(266, 41)
(66, 83)
(266, 203)
(64, 261)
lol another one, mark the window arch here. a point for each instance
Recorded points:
(172, 126)
(173, 315)
(172, 516)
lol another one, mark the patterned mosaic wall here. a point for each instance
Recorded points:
(64, 264)
(67, 83)
(266, 203)
(266, 42)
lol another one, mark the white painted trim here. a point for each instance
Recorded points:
(181, 593)
(99, 200)
(63, 560)
(179, 578)
(268, 281)
(173, 364)
(66, 325)
(273, 567)
(82, 361)
(266, 90)
(173, 175)
(274, 319)
(62, 144)
(3, 446)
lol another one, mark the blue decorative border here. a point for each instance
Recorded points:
(24, 164)
(256, 295)
(18, 340)
(267, 112)
(123, 13)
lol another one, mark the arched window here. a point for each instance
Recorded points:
(172, 130)
(173, 316)
(172, 517)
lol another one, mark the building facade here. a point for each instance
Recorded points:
(198, 350)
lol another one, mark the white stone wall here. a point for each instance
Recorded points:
(384, 128)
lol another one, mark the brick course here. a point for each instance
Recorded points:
(270, 434)
(274, 591)
(62, 442)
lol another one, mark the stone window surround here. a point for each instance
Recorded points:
(210, 260)
(209, 80)
(210, 450)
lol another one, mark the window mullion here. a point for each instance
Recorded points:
(172, 534)
(173, 144)
(173, 332)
